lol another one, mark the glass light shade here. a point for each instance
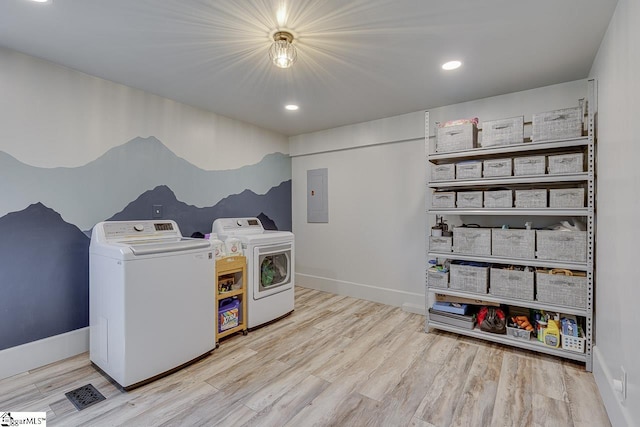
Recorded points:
(283, 53)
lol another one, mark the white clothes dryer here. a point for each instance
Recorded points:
(270, 267)
(152, 306)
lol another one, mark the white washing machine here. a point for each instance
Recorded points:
(270, 267)
(152, 303)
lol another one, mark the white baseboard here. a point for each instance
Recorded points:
(25, 357)
(408, 301)
(616, 410)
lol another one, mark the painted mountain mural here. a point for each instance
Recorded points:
(44, 271)
(275, 208)
(44, 276)
(87, 194)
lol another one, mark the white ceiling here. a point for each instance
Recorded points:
(358, 60)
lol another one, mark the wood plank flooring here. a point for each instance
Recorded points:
(335, 361)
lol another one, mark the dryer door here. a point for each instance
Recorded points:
(273, 269)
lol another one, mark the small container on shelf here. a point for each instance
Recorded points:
(529, 165)
(561, 287)
(571, 343)
(469, 278)
(498, 199)
(503, 132)
(443, 199)
(561, 245)
(472, 240)
(511, 283)
(557, 124)
(438, 279)
(440, 243)
(228, 314)
(444, 172)
(497, 168)
(513, 243)
(566, 198)
(469, 199)
(469, 170)
(521, 334)
(566, 163)
(531, 198)
(456, 137)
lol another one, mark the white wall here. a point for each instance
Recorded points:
(617, 67)
(374, 244)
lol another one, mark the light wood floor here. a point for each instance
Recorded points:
(336, 361)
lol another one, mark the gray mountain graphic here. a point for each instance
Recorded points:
(87, 194)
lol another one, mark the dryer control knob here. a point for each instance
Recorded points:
(138, 227)
(239, 223)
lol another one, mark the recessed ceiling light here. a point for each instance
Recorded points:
(451, 65)
(291, 107)
(41, 1)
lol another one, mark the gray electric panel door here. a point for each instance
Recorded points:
(317, 197)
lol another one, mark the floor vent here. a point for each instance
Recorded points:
(84, 396)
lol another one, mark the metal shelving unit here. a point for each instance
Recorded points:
(586, 179)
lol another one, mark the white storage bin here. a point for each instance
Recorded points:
(531, 198)
(503, 131)
(497, 167)
(531, 165)
(511, 284)
(561, 245)
(469, 278)
(472, 241)
(469, 199)
(446, 199)
(455, 138)
(440, 243)
(444, 172)
(560, 289)
(469, 170)
(566, 163)
(513, 243)
(438, 279)
(557, 124)
(498, 199)
(566, 198)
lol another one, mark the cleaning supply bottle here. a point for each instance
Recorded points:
(551, 336)
(218, 246)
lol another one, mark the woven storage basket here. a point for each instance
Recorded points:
(497, 167)
(469, 199)
(561, 289)
(438, 279)
(530, 165)
(444, 172)
(469, 278)
(472, 241)
(469, 170)
(440, 243)
(566, 163)
(457, 137)
(513, 243)
(443, 199)
(557, 124)
(511, 284)
(566, 198)
(561, 245)
(498, 199)
(531, 198)
(503, 131)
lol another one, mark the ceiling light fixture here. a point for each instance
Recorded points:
(451, 65)
(291, 107)
(283, 52)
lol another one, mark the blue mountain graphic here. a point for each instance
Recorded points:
(44, 276)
